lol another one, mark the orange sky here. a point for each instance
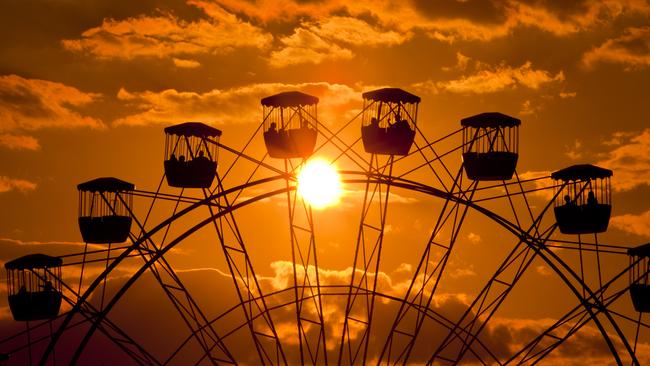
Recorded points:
(86, 90)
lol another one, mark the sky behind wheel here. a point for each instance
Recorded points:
(87, 89)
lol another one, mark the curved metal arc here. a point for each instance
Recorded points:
(396, 182)
(87, 318)
(569, 315)
(429, 313)
(156, 257)
(298, 207)
(127, 252)
(492, 306)
(237, 276)
(374, 247)
(545, 253)
(148, 235)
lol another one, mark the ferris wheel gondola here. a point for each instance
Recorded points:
(254, 329)
(290, 128)
(490, 146)
(583, 201)
(389, 121)
(104, 210)
(639, 282)
(34, 287)
(190, 158)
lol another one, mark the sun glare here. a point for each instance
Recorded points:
(319, 184)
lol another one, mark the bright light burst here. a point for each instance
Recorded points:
(319, 184)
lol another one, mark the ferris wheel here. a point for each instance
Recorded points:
(87, 306)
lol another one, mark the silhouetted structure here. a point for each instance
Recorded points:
(639, 286)
(583, 200)
(104, 205)
(34, 287)
(490, 146)
(389, 119)
(290, 124)
(104, 210)
(191, 155)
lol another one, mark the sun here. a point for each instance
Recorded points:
(319, 184)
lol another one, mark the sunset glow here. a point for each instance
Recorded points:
(319, 184)
(302, 182)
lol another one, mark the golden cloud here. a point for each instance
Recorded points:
(33, 104)
(315, 42)
(305, 46)
(231, 106)
(632, 49)
(449, 21)
(10, 184)
(19, 142)
(635, 224)
(165, 35)
(542, 187)
(357, 32)
(630, 161)
(492, 79)
(186, 64)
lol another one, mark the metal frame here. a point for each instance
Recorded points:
(379, 179)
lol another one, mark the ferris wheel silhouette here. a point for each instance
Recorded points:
(356, 320)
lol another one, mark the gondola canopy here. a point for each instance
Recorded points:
(105, 184)
(289, 99)
(34, 261)
(196, 129)
(581, 172)
(490, 119)
(391, 95)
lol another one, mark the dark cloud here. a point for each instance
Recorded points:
(632, 50)
(472, 10)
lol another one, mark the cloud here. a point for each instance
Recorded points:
(543, 270)
(19, 142)
(501, 19)
(305, 46)
(33, 104)
(527, 108)
(316, 42)
(474, 238)
(166, 35)
(8, 184)
(451, 20)
(586, 347)
(186, 64)
(573, 152)
(492, 79)
(357, 32)
(630, 160)
(542, 186)
(230, 106)
(635, 224)
(502, 335)
(500, 78)
(632, 50)
(565, 95)
(462, 62)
